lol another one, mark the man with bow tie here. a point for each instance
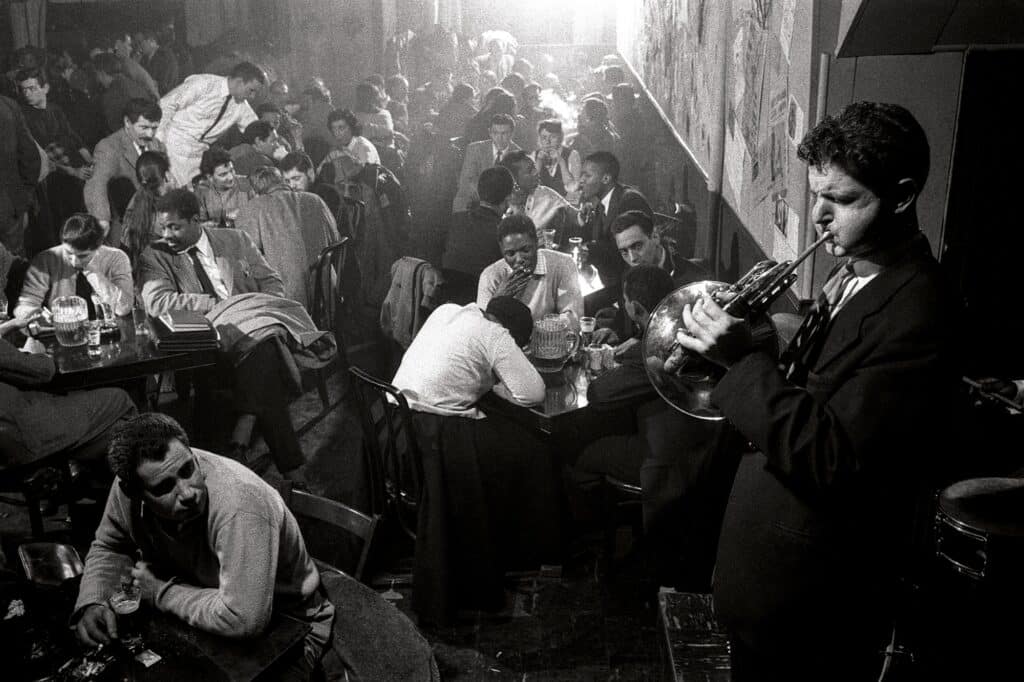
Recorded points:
(115, 157)
(849, 427)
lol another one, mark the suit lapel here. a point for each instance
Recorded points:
(613, 211)
(130, 153)
(848, 322)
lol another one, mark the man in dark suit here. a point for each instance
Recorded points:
(160, 62)
(193, 268)
(605, 199)
(482, 155)
(850, 427)
(114, 161)
(19, 172)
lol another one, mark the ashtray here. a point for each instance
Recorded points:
(50, 563)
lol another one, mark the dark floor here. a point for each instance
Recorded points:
(560, 623)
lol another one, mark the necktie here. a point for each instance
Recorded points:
(497, 158)
(220, 115)
(598, 220)
(201, 274)
(85, 290)
(803, 348)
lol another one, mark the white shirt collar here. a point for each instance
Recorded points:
(204, 245)
(607, 201)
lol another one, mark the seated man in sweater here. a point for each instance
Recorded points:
(218, 547)
(195, 268)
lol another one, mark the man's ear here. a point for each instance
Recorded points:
(905, 195)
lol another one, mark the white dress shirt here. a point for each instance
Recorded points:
(362, 150)
(209, 263)
(188, 112)
(543, 204)
(457, 357)
(554, 287)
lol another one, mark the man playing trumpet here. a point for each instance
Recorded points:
(848, 428)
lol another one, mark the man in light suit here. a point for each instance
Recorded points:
(115, 157)
(482, 155)
(19, 171)
(193, 268)
(852, 428)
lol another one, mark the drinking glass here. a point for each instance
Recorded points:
(551, 238)
(70, 315)
(125, 604)
(587, 329)
(3, 306)
(139, 319)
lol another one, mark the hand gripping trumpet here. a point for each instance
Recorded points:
(686, 380)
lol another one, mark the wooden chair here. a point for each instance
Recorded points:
(328, 304)
(396, 468)
(36, 482)
(310, 509)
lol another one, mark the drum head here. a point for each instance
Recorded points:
(990, 505)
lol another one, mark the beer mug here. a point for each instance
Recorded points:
(70, 315)
(553, 343)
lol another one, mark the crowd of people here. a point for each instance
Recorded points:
(458, 179)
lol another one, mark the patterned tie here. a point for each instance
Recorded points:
(201, 274)
(85, 290)
(598, 218)
(802, 350)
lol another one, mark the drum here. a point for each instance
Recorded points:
(979, 529)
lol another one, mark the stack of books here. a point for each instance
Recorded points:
(183, 331)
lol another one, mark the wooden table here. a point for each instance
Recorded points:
(133, 357)
(565, 415)
(38, 643)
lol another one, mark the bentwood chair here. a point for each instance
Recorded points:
(396, 470)
(327, 526)
(328, 303)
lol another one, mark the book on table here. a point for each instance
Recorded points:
(184, 330)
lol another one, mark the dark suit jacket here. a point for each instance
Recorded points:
(115, 156)
(19, 161)
(169, 279)
(819, 521)
(601, 243)
(163, 67)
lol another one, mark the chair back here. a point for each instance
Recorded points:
(395, 465)
(328, 300)
(314, 513)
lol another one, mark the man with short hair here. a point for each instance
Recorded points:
(604, 199)
(852, 426)
(470, 246)
(289, 130)
(120, 45)
(481, 155)
(639, 244)
(546, 208)
(115, 157)
(206, 540)
(260, 141)
(195, 268)
(202, 109)
(546, 281)
(297, 170)
(160, 62)
(220, 191)
(117, 89)
(81, 265)
(290, 229)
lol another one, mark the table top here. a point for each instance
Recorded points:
(41, 644)
(565, 395)
(131, 357)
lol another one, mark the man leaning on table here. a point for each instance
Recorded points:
(218, 547)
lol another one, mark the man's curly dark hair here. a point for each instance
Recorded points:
(147, 437)
(877, 144)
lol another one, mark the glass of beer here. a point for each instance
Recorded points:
(125, 604)
(70, 315)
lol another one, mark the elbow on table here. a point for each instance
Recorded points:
(241, 626)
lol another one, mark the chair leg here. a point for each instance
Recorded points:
(321, 387)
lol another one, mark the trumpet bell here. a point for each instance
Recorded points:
(688, 387)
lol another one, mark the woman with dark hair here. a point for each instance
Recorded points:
(153, 173)
(348, 138)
